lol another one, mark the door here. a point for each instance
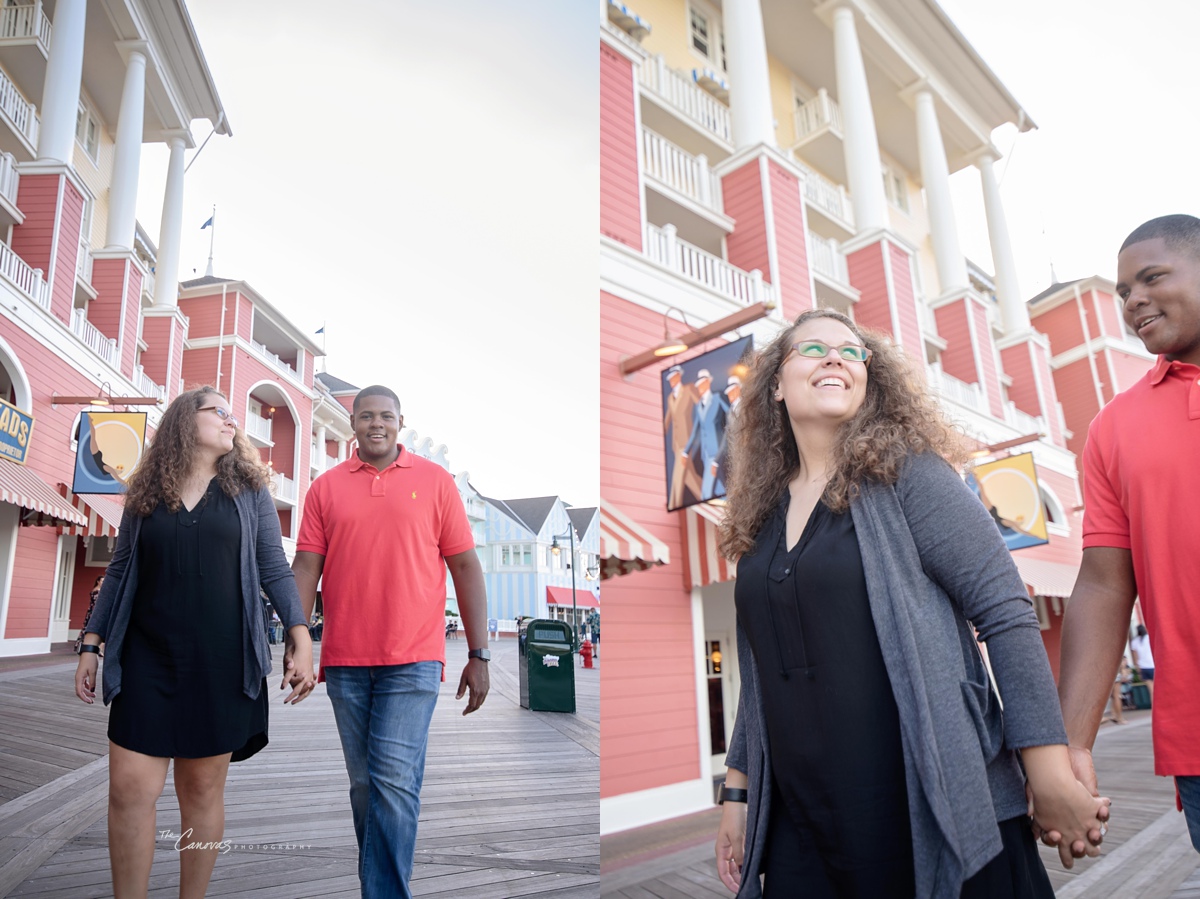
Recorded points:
(719, 717)
(60, 621)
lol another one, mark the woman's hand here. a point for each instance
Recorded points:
(731, 844)
(85, 676)
(298, 664)
(1063, 806)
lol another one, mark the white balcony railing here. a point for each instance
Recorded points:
(829, 196)
(93, 338)
(28, 280)
(826, 258)
(689, 100)
(819, 112)
(257, 426)
(148, 285)
(1023, 422)
(273, 358)
(680, 170)
(146, 386)
(285, 487)
(10, 179)
(960, 392)
(330, 462)
(20, 111)
(665, 248)
(83, 262)
(24, 22)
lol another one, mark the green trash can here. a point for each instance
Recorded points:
(547, 666)
(1141, 696)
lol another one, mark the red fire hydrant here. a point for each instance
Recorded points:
(585, 653)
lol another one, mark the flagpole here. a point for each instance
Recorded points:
(211, 239)
(324, 363)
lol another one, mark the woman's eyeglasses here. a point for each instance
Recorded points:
(221, 414)
(815, 349)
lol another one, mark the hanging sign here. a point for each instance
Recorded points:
(110, 447)
(16, 427)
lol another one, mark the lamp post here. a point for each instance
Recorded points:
(556, 549)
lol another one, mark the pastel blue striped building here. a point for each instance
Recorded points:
(520, 564)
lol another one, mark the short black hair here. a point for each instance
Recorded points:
(376, 390)
(1179, 232)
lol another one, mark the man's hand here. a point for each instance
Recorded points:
(475, 679)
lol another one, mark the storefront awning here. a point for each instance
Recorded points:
(561, 596)
(705, 565)
(103, 514)
(626, 546)
(22, 487)
(1046, 578)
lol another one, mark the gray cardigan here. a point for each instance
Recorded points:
(935, 564)
(263, 563)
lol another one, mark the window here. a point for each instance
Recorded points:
(516, 555)
(707, 38)
(87, 131)
(896, 189)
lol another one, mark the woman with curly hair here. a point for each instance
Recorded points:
(186, 650)
(870, 757)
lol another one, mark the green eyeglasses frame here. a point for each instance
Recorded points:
(818, 349)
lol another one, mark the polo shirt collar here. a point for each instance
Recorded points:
(1162, 367)
(404, 460)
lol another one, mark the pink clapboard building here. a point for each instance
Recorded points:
(759, 159)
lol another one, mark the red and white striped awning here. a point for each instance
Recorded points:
(626, 546)
(705, 565)
(561, 596)
(1047, 578)
(22, 487)
(102, 511)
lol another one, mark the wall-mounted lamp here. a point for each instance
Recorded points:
(630, 364)
(1006, 444)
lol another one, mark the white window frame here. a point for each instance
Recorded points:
(715, 57)
(85, 136)
(895, 188)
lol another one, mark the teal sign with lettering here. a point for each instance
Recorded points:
(16, 427)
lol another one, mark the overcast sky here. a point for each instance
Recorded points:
(421, 179)
(1111, 85)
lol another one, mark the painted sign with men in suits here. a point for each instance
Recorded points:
(698, 398)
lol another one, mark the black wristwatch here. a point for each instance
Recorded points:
(731, 794)
(88, 647)
(483, 654)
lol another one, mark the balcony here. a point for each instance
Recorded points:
(273, 359)
(148, 286)
(960, 392)
(664, 248)
(25, 33)
(20, 115)
(147, 387)
(93, 338)
(673, 167)
(10, 182)
(1023, 422)
(827, 259)
(27, 280)
(828, 199)
(258, 428)
(285, 488)
(679, 100)
(818, 129)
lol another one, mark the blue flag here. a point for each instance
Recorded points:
(206, 224)
(320, 330)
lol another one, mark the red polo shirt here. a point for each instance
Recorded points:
(384, 536)
(1141, 485)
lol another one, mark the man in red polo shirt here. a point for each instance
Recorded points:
(1141, 535)
(382, 527)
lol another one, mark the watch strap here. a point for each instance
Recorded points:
(483, 654)
(88, 647)
(731, 794)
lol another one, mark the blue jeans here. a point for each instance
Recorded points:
(383, 716)
(1189, 792)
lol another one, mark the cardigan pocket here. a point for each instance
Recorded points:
(984, 708)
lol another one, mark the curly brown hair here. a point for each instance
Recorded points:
(167, 462)
(898, 418)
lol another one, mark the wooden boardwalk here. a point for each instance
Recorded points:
(1147, 853)
(510, 805)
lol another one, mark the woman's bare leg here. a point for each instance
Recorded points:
(200, 786)
(135, 782)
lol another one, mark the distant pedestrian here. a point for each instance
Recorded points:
(87, 616)
(1143, 658)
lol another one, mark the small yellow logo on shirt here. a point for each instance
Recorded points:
(414, 494)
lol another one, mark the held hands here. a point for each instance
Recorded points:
(475, 679)
(1066, 811)
(85, 676)
(731, 844)
(298, 665)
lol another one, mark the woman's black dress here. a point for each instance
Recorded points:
(182, 660)
(839, 823)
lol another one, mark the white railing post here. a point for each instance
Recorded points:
(705, 184)
(671, 247)
(756, 286)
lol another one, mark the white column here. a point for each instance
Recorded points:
(861, 144)
(935, 175)
(749, 84)
(60, 90)
(319, 462)
(122, 204)
(342, 444)
(170, 229)
(1013, 310)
